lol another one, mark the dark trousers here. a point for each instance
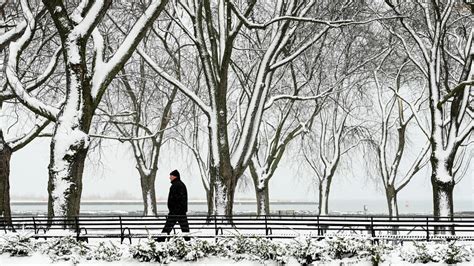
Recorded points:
(171, 220)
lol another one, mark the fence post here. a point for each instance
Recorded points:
(121, 230)
(266, 226)
(34, 226)
(372, 226)
(77, 227)
(317, 222)
(427, 230)
(215, 224)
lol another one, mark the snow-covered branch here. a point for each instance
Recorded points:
(172, 80)
(38, 81)
(273, 99)
(175, 82)
(16, 47)
(414, 111)
(106, 71)
(87, 24)
(123, 139)
(252, 25)
(420, 161)
(456, 90)
(22, 141)
(12, 35)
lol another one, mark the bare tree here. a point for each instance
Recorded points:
(437, 37)
(194, 138)
(87, 75)
(12, 27)
(148, 109)
(213, 31)
(283, 123)
(337, 133)
(395, 115)
(141, 121)
(7, 148)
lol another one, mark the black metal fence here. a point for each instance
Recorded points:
(128, 227)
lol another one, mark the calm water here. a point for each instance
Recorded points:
(335, 206)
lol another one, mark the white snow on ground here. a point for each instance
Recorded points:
(223, 251)
(39, 260)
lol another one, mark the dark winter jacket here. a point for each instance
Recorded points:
(178, 198)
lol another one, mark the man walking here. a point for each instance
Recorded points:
(177, 206)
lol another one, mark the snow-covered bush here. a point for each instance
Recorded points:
(180, 249)
(65, 248)
(380, 252)
(17, 244)
(457, 253)
(176, 248)
(267, 249)
(105, 251)
(306, 250)
(345, 247)
(262, 250)
(238, 248)
(150, 251)
(425, 252)
(254, 249)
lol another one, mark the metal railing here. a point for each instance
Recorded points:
(202, 226)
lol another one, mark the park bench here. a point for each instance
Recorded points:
(273, 227)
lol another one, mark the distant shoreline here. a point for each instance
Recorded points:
(134, 202)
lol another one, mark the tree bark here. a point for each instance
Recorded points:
(324, 189)
(5, 155)
(224, 191)
(65, 179)
(148, 193)
(70, 142)
(443, 184)
(221, 168)
(261, 190)
(210, 200)
(392, 204)
(263, 204)
(442, 197)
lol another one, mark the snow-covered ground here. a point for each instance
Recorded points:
(20, 249)
(39, 260)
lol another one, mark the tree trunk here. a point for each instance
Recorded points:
(210, 200)
(443, 184)
(148, 193)
(224, 196)
(263, 204)
(69, 147)
(220, 194)
(324, 188)
(229, 209)
(391, 195)
(5, 155)
(442, 194)
(65, 176)
(261, 190)
(70, 141)
(392, 205)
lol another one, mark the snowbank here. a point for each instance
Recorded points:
(20, 249)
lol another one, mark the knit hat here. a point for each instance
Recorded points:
(175, 173)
